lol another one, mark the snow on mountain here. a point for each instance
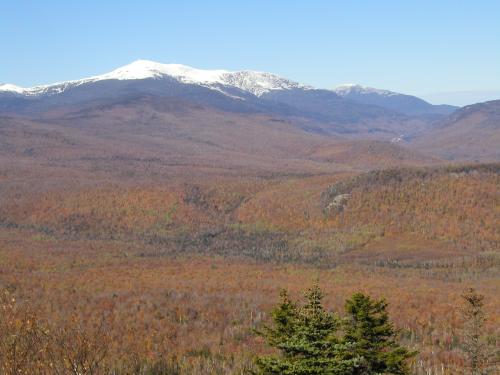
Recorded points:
(142, 69)
(259, 83)
(402, 103)
(256, 83)
(352, 88)
(11, 88)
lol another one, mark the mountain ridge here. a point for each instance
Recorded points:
(255, 82)
(351, 111)
(242, 91)
(470, 133)
(402, 103)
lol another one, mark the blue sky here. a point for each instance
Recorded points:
(449, 49)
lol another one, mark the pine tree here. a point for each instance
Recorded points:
(369, 329)
(307, 339)
(285, 317)
(480, 357)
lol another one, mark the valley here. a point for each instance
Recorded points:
(154, 213)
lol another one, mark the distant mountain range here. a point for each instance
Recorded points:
(342, 110)
(349, 112)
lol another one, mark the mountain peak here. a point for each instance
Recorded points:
(7, 87)
(257, 83)
(350, 88)
(142, 69)
(402, 103)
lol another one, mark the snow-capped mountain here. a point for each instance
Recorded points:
(353, 88)
(406, 104)
(12, 88)
(256, 83)
(346, 110)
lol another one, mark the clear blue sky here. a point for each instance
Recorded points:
(417, 47)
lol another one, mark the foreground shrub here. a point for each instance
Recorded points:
(24, 343)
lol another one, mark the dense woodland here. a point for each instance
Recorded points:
(179, 277)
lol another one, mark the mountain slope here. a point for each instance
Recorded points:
(406, 104)
(159, 137)
(471, 133)
(249, 81)
(240, 92)
(369, 155)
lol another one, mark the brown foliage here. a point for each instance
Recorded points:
(197, 313)
(137, 278)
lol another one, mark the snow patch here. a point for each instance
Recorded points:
(398, 139)
(142, 69)
(259, 83)
(11, 88)
(352, 88)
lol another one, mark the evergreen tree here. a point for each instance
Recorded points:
(369, 329)
(307, 339)
(481, 358)
(285, 318)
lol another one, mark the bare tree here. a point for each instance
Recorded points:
(80, 349)
(23, 339)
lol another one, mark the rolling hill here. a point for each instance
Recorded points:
(471, 133)
(150, 137)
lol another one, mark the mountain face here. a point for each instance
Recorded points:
(237, 119)
(405, 104)
(253, 82)
(142, 77)
(470, 133)
(322, 111)
(158, 138)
